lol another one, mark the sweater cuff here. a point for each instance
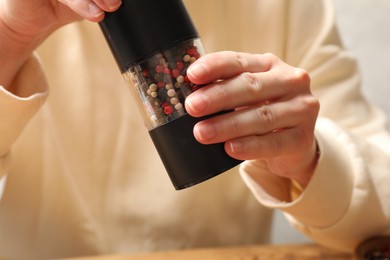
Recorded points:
(28, 82)
(16, 111)
(328, 194)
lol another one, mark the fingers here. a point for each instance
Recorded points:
(295, 134)
(108, 5)
(291, 153)
(243, 90)
(259, 79)
(271, 130)
(258, 120)
(274, 144)
(273, 110)
(92, 10)
(222, 65)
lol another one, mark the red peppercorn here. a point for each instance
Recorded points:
(159, 68)
(179, 65)
(196, 55)
(191, 51)
(167, 71)
(145, 72)
(168, 110)
(175, 73)
(161, 84)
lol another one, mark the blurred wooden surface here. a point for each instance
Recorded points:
(273, 252)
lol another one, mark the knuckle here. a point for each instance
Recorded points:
(272, 59)
(265, 114)
(313, 104)
(270, 56)
(251, 83)
(299, 78)
(302, 76)
(241, 60)
(310, 105)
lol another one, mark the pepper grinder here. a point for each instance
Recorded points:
(153, 43)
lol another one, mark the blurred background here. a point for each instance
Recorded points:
(364, 26)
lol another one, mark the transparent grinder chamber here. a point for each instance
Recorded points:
(161, 85)
(154, 42)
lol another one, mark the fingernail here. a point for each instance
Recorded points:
(197, 71)
(196, 103)
(94, 10)
(205, 132)
(115, 6)
(236, 146)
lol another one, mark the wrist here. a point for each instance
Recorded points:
(304, 179)
(14, 51)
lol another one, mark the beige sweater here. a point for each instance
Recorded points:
(84, 178)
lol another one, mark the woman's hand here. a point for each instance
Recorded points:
(24, 24)
(273, 111)
(35, 17)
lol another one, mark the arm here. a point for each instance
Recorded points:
(23, 26)
(274, 125)
(346, 200)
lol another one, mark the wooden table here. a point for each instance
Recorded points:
(272, 252)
